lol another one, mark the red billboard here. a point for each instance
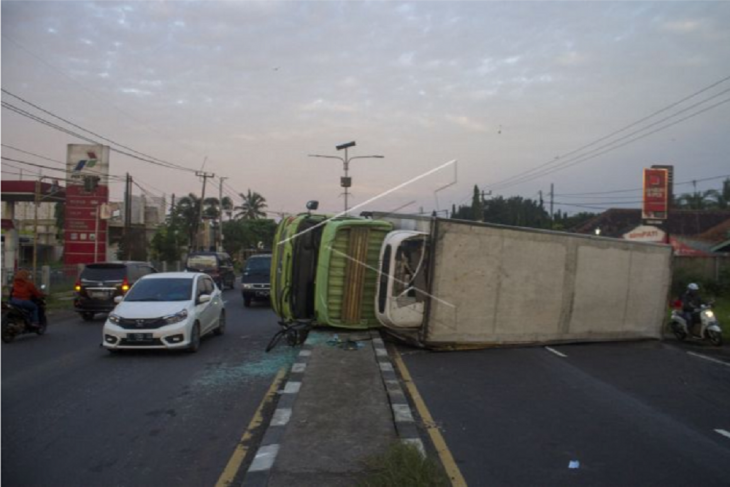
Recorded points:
(85, 233)
(656, 194)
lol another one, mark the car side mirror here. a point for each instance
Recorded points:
(118, 299)
(203, 298)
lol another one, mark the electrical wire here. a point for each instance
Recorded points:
(151, 159)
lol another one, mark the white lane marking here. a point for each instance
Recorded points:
(552, 350)
(291, 387)
(305, 353)
(264, 458)
(723, 433)
(281, 417)
(298, 368)
(699, 355)
(402, 413)
(381, 352)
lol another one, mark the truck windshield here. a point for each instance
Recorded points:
(409, 283)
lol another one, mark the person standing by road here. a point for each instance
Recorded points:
(22, 294)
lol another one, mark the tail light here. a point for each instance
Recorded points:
(77, 286)
(125, 285)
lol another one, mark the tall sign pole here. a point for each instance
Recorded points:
(205, 176)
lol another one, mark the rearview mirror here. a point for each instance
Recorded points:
(118, 299)
(203, 298)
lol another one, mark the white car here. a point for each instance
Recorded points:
(169, 310)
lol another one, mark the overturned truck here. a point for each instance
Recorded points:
(449, 283)
(444, 283)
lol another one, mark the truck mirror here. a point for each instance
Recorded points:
(312, 205)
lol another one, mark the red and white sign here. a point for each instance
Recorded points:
(85, 229)
(646, 233)
(656, 194)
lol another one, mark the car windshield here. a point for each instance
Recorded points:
(258, 265)
(202, 262)
(104, 273)
(172, 289)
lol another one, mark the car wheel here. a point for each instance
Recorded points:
(87, 316)
(221, 324)
(246, 301)
(194, 339)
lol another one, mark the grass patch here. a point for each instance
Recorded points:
(722, 312)
(402, 465)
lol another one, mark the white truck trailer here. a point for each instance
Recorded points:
(456, 284)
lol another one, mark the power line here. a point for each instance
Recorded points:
(151, 159)
(691, 181)
(608, 147)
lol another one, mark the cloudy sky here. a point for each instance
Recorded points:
(512, 90)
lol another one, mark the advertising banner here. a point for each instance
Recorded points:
(87, 190)
(656, 194)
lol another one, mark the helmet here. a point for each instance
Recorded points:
(693, 287)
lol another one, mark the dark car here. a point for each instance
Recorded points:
(100, 283)
(255, 281)
(217, 265)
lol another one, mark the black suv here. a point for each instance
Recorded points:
(255, 281)
(100, 283)
(217, 265)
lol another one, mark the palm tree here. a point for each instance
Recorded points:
(697, 200)
(252, 206)
(722, 197)
(187, 215)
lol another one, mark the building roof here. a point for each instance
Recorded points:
(706, 225)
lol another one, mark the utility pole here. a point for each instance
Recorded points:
(127, 217)
(552, 197)
(205, 176)
(219, 243)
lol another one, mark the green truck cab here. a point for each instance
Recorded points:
(326, 270)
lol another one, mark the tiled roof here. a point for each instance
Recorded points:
(707, 225)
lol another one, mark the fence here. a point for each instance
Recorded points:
(705, 268)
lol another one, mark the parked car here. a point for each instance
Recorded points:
(170, 310)
(218, 265)
(255, 278)
(100, 283)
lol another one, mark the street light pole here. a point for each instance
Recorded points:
(346, 181)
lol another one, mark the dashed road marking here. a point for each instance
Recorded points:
(552, 350)
(723, 433)
(705, 357)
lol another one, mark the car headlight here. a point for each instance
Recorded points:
(176, 318)
(248, 286)
(114, 318)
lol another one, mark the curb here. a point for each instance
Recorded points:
(405, 424)
(259, 471)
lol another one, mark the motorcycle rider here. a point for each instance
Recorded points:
(691, 304)
(22, 294)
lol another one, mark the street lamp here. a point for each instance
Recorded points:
(346, 181)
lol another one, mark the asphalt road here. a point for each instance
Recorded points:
(629, 414)
(73, 414)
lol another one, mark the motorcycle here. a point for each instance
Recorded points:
(707, 328)
(17, 321)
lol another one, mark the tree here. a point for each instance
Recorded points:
(187, 216)
(167, 243)
(722, 197)
(697, 200)
(247, 234)
(252, 206)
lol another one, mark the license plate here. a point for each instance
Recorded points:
(262, 294)
(139, 337)
(98, 294)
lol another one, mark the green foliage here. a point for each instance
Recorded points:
(246, 234)
(404, 466)
(477, 205)
(706, 200)
(168, 243)
(708, 287)
(252, 206)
